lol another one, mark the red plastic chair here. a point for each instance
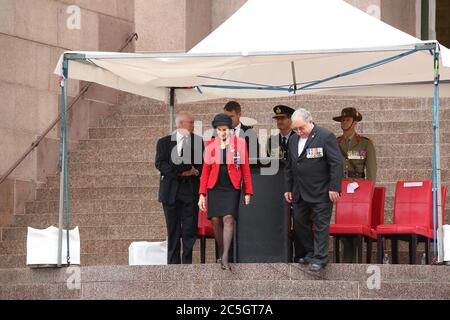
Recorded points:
(354, 216)
(413, 219)
(378, 202)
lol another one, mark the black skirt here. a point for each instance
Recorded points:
(223, 199)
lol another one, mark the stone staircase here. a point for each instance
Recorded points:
(114, 183)
(245, 281)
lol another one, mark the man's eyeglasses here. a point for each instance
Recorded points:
(301, 128)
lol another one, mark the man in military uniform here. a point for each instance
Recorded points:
(277, 145)
(360, 161)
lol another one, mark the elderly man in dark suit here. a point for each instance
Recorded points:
(179, 159)
(313, 177)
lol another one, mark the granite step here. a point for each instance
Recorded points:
(148, 167)
(137, 127)
(146, 132)
(108, 232)
(323, 116)
(103, 181)
(127, 154)
(246, 281)
(105, 258)
(157, 120)
(112, 168)
(115, 251)
(92, 219)
(120, 151)
(315, 104)
(107, 193)
(94, 246)
(129, 193)
(126, 142)
(94, 206)
(248, 271)
(77, 180)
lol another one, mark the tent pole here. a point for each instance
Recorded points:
(171, 108)
(437, 195)
(62, 157)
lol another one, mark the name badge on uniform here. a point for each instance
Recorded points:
(312, 153)
(356, 154)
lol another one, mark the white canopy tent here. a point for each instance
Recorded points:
(275, 48)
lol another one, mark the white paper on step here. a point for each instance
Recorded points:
(142, 253)
(351, 187)
(42, 246)
(446, 241)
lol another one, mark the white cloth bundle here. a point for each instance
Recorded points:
(446, 236)
(147, 253)
(42, 246)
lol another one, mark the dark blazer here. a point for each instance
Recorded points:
(309, 177)
(170, 165)
(251, 139)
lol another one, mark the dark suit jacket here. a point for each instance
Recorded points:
(251, 139)
(170, 165)
(312, 178)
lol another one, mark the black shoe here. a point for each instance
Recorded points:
(304, 260)
(315, 267)
(225, 266)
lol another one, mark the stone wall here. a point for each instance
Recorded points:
(443, 22)
(33, 34)
(178, 25)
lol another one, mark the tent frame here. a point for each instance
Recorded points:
(432, 46)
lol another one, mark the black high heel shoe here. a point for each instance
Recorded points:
(224, 266)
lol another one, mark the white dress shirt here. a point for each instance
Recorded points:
(237, 130)
(180, 142)
(301, 143)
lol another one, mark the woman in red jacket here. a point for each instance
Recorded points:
(225, 166)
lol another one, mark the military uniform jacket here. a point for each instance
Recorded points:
(359, 158)
(276, 148)
(318, 169)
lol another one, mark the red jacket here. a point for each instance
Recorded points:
(211, 165)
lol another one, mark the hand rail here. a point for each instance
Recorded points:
(35, 143)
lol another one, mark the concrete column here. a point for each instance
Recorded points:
(178, 25)
(160, 25)
(400, 14)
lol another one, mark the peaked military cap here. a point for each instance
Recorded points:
(282, 111)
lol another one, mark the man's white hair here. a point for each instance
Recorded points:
(302, 114)
(182, 115)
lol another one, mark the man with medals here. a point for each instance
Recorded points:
(360, 161)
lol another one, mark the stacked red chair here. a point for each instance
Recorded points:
(378, 202)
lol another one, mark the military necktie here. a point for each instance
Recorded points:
(283, 142)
